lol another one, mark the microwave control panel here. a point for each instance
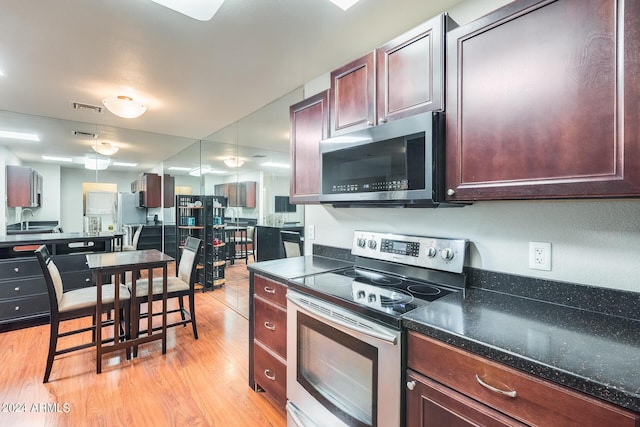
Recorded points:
(367, 187)
(427, 252)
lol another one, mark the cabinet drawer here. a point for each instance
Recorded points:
(270, 373)
(537, 402)
(22, 307)
(77, 279)
(75, 262)
(19, 267)
(430, 404)
(270, 290)
(22, 287)
(270, 326)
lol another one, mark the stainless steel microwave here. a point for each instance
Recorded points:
(400, 163)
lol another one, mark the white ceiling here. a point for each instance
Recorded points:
(195, 77)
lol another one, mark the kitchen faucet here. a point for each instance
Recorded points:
(22, 216)
(232, 217)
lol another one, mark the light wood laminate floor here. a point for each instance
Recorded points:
(197, 383)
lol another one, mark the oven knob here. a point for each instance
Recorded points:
(431, 252)
(447, 254)
(372, 244)
(361, 242)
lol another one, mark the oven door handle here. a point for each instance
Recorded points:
(298, 418)
(334, 314)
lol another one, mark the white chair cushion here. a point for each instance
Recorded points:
(86, 297)
(174, 284)
(57, 282)
(186, 264)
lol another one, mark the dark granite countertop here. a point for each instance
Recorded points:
(597, 354)
(290, 268)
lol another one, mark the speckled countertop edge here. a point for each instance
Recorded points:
(599, 389)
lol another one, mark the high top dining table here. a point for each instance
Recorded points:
(116, 264)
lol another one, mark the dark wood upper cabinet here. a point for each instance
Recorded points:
(542, 102)
(169, 195)
(402, 78)
(24, 187)
(309, 120)
(239, 194)
(410, 71)
(352, 95)
(150, 185)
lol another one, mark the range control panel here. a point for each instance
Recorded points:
(429, 252)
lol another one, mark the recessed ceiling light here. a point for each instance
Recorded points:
(344, 4)
(19, 135)
(131, 165)
(179, 168)
(58, 159)
(276, 165)
(202, 10)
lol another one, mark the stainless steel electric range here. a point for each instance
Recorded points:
(344, 335)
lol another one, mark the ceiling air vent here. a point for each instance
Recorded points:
(88, 107)
(84, 134)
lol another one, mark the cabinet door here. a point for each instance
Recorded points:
(309, 121)
(352, 95)
(410, 72)
(153, 190)
(169, 196)
(432, 404)
(542, 102)
(18, 186)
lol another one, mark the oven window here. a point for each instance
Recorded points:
(339, 371)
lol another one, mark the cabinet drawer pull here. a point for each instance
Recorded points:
(269, 290)
(411, 385)
(17, 308)
(270, 326)
(17, 289)
(510, 393)
(87, 280)
(17, 270)
(269, 374)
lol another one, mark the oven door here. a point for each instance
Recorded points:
(342, 369)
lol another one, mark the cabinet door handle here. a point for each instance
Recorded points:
(510, 393)
(411, 385)
(382, 120)
(269, 374)
(17, 289)
(270, 326)
(369, 123)
(17, 308)
(269, 290)
(87, 280)
(17, 270)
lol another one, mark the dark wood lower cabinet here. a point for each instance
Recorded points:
(430, 404)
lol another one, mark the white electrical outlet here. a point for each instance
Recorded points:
(311, 232)
(540, 256)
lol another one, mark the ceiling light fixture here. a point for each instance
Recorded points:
(105, 148)
(179, 168)
(19, 135)
(233, 162)
(202, 10)
(58, 159)
(130, 165)
(124, 106)
(276, 165)
(96, 164)
(344, 4)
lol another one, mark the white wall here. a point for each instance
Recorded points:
(594, 242)
(71, 179)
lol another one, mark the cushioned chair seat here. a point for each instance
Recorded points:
(86, 297)
(174, 284)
